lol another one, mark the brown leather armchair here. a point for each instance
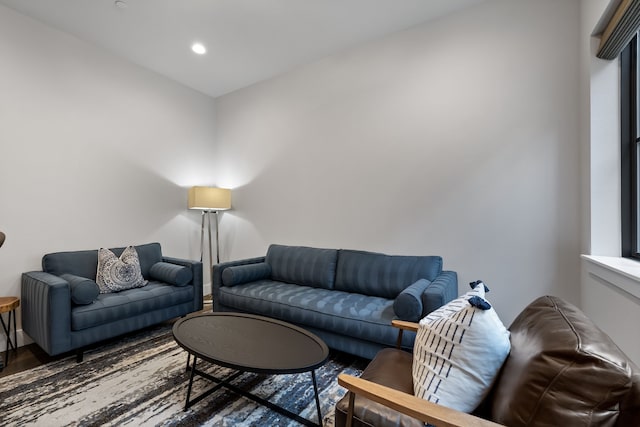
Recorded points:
(562, 371)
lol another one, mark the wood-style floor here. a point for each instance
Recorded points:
(26, 357)
(31, 356)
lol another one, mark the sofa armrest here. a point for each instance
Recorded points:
(443, 288)
(218, 269)
(196, 281)
(408, 404)
(46, 311)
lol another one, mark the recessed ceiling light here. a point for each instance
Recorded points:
(199, 48)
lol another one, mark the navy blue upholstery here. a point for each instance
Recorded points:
(383, 275)
(79, 263)
(129, 303)
(239, 274)
(83, 290)
(302, 265)
(408, 304)
(439, 292)
(218, 269)
(58, 326)
(45, 302)
(173, 274)
(85, 263)
(349, 314)
(89, 336)
(355, 319)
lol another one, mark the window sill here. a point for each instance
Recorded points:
(623, 273)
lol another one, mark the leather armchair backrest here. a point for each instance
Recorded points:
(564, 371)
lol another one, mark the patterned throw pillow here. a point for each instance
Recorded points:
(117, 274)
(459, 350)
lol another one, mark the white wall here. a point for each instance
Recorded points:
(94, 151)
(610, 293)
(458, 137)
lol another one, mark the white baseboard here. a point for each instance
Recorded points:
(23, 339)
(206, 289)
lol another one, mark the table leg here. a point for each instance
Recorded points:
(227, 384)
(7, 332)
(4, 327)
(9, 343)
(193, 371)
(315, 390)
(15, 333)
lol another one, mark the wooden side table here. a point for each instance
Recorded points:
(9, 305)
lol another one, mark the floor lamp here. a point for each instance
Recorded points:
(209, 200)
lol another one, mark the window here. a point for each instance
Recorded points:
(630, 150)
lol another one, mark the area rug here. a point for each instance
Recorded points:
(141, 380)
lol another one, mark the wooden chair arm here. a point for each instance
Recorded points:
(408, 404)
(403, 324)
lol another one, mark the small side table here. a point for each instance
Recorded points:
(9, 305)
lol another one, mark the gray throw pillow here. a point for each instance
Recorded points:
(83, 290)
(408, 304)
(173, 274)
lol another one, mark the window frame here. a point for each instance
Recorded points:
(629, 108)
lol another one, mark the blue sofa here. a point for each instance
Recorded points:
(57, 318)
(346, 297)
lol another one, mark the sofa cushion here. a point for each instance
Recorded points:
(239, 274)
(353, 315)
(564, 371)
(173, 274)
(458, 352)
(83, 290)
(121, 305)
(408, 304)
(84, 263)
(382, 275)
(78, 263)
(118, 274)
(302, 265)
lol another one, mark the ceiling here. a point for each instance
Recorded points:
(247, 40)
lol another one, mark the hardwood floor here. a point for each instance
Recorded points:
(26, 357)
(31, 356)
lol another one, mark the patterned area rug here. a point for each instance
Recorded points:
(141, 380)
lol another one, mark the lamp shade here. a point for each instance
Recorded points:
(209, 198)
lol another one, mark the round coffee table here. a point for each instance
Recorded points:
(249, 343)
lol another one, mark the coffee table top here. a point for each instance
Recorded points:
(250, 343)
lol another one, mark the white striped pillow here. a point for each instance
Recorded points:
(458, 351)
